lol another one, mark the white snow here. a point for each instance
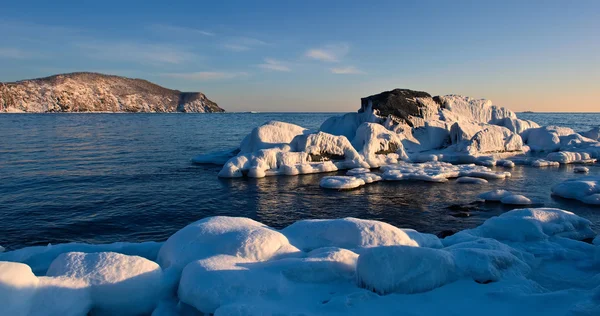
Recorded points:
(493, 139)
(526, 261)
(369, 177)
(494, 195)
(585, 189)
(436, 171)
(118, 283)
(341, 182)
(593, 134)
(471, 180)
(357, 171)
(540, 163)
(273, 134)
(565, 157)
(516, 199)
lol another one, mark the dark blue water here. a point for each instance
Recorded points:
(128, 177)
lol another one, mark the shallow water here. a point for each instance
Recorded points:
(128, 177)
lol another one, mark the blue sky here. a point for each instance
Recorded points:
(318, 55)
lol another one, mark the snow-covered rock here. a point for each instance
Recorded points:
(436, 171)
(234, 236)
(566, 157)
(119, 284)
(593, 134)
(347, 124)
(516, 125)
(64, 296)
(585, 189)
(547, 138)
(456, 108)
(516, 199)
(540, 163)
(372, 139)
(369, 177)
(352, 233)
(403, 269)
(494, 195)
(581, 169)
(341, 182)
(17, 288)
(493, 139)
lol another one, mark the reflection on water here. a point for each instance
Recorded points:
(104, 178)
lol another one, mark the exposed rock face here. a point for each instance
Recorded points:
(402, 104)
(92, 92)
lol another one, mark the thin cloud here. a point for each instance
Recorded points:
(328, 53)
(173, 29)
(14, 53)
(240, 44)
(206, 75)
(349, 70)
(137, 52)
(274, 65)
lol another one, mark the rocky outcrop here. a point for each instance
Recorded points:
(401, 104)
(93, 92)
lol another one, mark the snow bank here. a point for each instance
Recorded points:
(471, 180)
(352, 233)
(494, 195)
(341, 182)
(516, 199)
(234, 236)
(402, 269)
(585, 189)
(119, 284)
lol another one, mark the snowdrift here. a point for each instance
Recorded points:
(531, 260)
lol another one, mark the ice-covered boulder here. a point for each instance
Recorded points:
(402, 269)
(464, 131)
(373, 139)
(322, 146)
(461, 108)
(257, 164)
(585, 189)
(436, 171)
(494, 195)
(493, 139)
(17, 288)
(581, 170)
(119, 284)
(433, 134)
(234, 236)
(516, 125)
(541, 163)
(352, 233)
(547, 138)
(593, 134)
(347, 124)
(566, 157)
(341, 182)
(471, 180)
(273, 134)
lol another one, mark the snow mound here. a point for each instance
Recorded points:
(17, 288)
(402, 269)
(357, 171)
(516, 199)
(581, 170)
(341, 182)
(494, 195)
(585, 189)
(63, 296)
(531, 224)
(234, 236)
(566, 157)
(540, 163)
(352, 233)
(118, 283)
(471, 180)
(436, 171)
(369, 177)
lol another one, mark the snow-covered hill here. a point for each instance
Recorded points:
(93, 92)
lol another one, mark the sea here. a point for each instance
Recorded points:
(101, 178)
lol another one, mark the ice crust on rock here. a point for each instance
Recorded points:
(585, 189)
(341, 182)
(494, 195)
(529, 260)
(565, 157)
(516, 199)
(436, 171)
(471, 180)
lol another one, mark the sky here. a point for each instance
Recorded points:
(322, 56)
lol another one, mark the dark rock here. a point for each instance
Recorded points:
(401, 104)
(445, 233)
